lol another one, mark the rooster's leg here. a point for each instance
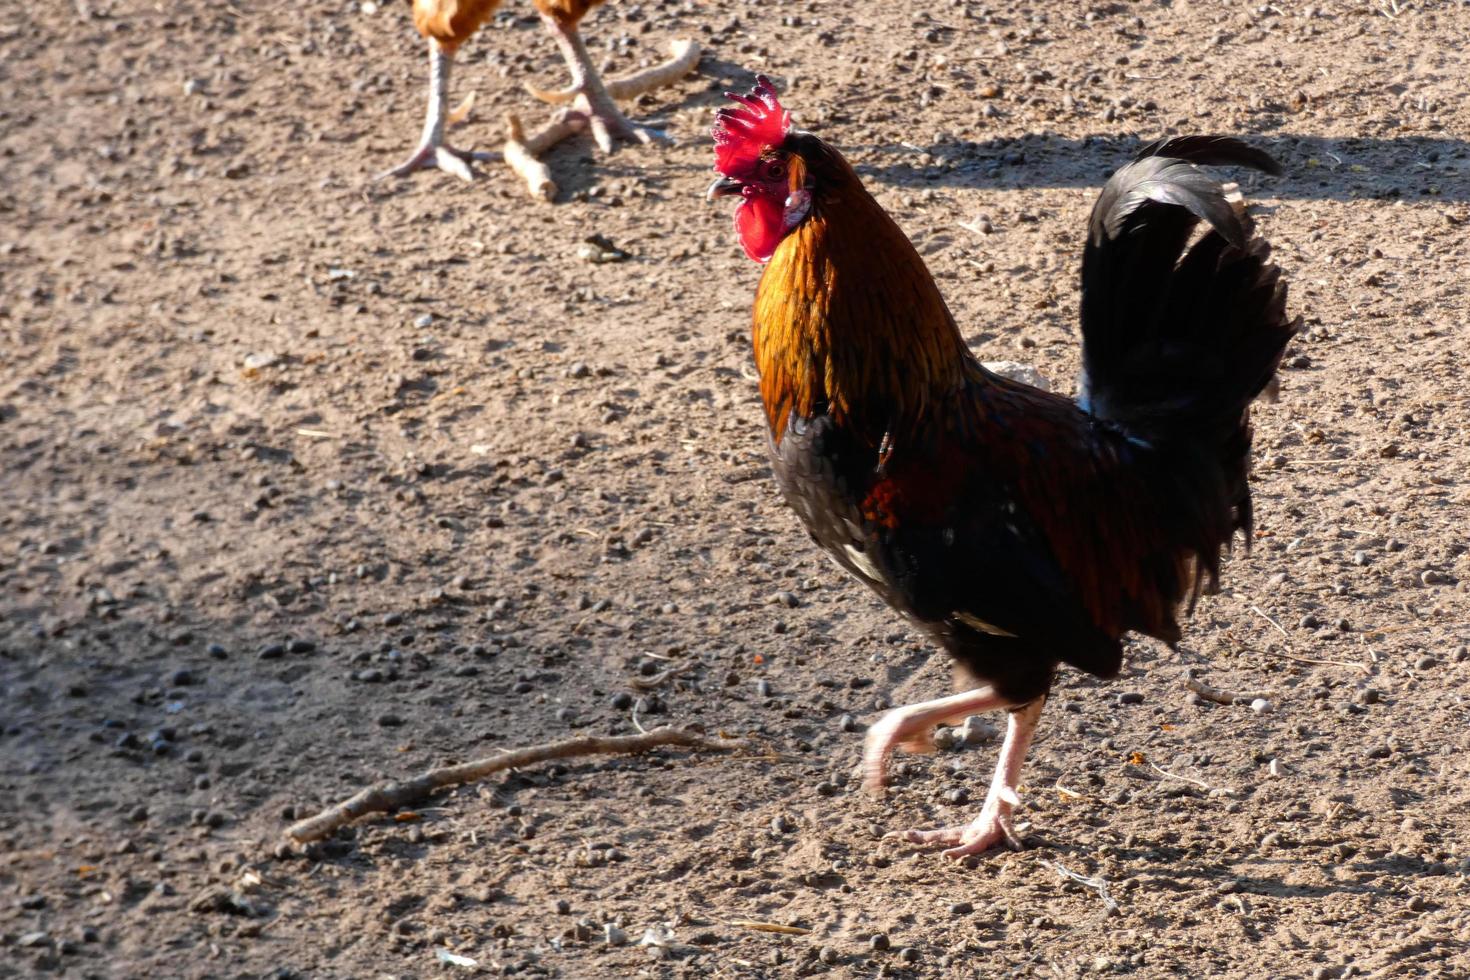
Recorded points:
(911, 728)
(432, 151)
(993, 825)
(592, 99)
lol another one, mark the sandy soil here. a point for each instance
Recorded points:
(306, 481)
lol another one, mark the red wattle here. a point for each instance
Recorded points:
(759, 222)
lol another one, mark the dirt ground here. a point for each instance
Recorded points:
(307, 481)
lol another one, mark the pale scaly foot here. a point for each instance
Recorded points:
(433, 152)
(993, 825)
(589, 96)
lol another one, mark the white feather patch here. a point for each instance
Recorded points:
(976, 623)
(862, 562)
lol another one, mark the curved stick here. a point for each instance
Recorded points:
(522, 152)
(391, 795)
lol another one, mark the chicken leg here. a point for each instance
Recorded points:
(911, 728)
(587, 93)
(993, 825)
(432, 151)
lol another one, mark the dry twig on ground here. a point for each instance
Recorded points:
(391, 795)
(522, 152)
(1217, 695)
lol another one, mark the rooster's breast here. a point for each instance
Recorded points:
(824, 474)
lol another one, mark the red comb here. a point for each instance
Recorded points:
(742, 133)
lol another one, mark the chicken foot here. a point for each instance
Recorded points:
(683, 57)
(993, 825)
(432, 151)
(590, 96)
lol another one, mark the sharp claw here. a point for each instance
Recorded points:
(601, 134)
(445, 158)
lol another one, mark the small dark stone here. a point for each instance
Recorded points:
(217, 651)
(879, 942)
(563, 907)
(273, 651)
(301, 646)
(961, 908)
(908, 954)
(1130, 697)
(138, 814)
(33, 902)
(182, 677)
(389, 720)
(622, 700)
(393, 619)
(828, 955)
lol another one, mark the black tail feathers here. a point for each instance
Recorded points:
(1178, 340)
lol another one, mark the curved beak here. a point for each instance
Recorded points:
(723, 187)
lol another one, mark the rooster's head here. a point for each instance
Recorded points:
(756, 157)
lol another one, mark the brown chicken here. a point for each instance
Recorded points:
(1020, 529)
(447, 24)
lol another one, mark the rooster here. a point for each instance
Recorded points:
(1020, 529)
(447, 24)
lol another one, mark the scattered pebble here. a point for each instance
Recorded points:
(389, 720)
(879, 942)
(1261, 706)
(976, 731)
(1130, 697)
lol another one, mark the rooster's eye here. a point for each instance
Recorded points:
(775, 171)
